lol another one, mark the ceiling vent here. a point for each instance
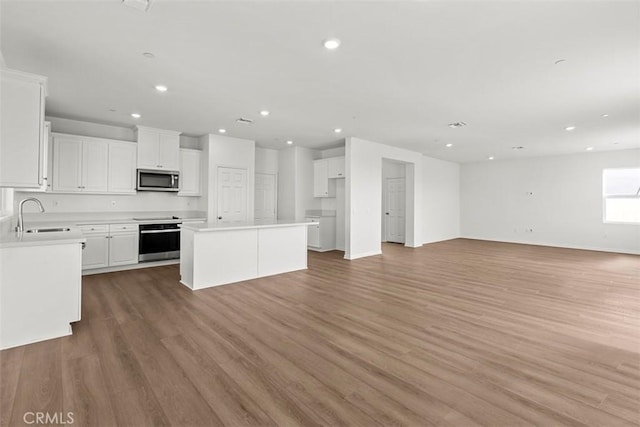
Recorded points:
(244, 121)
(141, 5)
(457, 124)
(518, 147)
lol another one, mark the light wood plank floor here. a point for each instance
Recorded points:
(458, 333)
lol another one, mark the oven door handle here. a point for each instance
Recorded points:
(170, 230)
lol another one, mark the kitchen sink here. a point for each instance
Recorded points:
(48, 230)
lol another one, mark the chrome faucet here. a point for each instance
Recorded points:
(20, 227)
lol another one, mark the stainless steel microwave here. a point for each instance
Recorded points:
(156, 180)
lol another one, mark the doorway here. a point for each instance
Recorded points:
(393, 201)
(265, 197)
(232, 195)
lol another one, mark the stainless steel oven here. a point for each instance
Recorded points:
(154, 180)
(159, 242)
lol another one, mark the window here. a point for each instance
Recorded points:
(621, 188)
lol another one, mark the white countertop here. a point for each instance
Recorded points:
(88, 218)
(207, 227)
(15, 239)
(73, 220)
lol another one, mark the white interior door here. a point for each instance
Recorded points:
(265, 196)
(395, 209)
(232, 195)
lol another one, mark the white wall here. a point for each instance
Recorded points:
(364, 196)
(295, 183)
(287, 183)
(266, 160)
(558, 198)
(225, 151)
(440, 200)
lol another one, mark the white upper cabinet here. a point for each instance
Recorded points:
(122, 167)
(324, 172)
(336, 167)
(67, 164)
(158, 149)
(189, 172)
(79, 165)
(22, 141)
(93, 165)
(320, 178)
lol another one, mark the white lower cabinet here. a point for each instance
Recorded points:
(109, 245)
(96, 251)
(321, 235)
(123, 249)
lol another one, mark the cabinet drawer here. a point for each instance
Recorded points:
(123, 228)
(94, 229)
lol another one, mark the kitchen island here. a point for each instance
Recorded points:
(219, 254)
(40, 285)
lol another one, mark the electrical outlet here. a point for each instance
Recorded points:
(529, 230)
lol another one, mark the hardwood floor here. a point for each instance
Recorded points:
(458, 333)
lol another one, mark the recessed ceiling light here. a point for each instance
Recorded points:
(161, 88)
(337, 130)
(604, 116)
(569, 128)
(289, 142)
(264, 113)
(491, 157)
(449, 145)
(331, 44)
(457, 125)
(136, 115)
(222, 130)
(148, 55)
(589, 148)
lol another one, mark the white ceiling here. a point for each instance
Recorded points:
(403, 72)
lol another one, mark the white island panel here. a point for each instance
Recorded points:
(40, 288)
(279, 250)
(225, 257)
(215, 254)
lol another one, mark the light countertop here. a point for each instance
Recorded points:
(15, 239)
(88, 218)
(73, 220)
(208, 227)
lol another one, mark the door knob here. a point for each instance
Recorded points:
(219, 217)
(386, 213)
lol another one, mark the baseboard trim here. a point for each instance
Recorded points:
(130, 267)
(361, 255)
(555, 245)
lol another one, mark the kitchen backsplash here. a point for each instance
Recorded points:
(140, 202)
